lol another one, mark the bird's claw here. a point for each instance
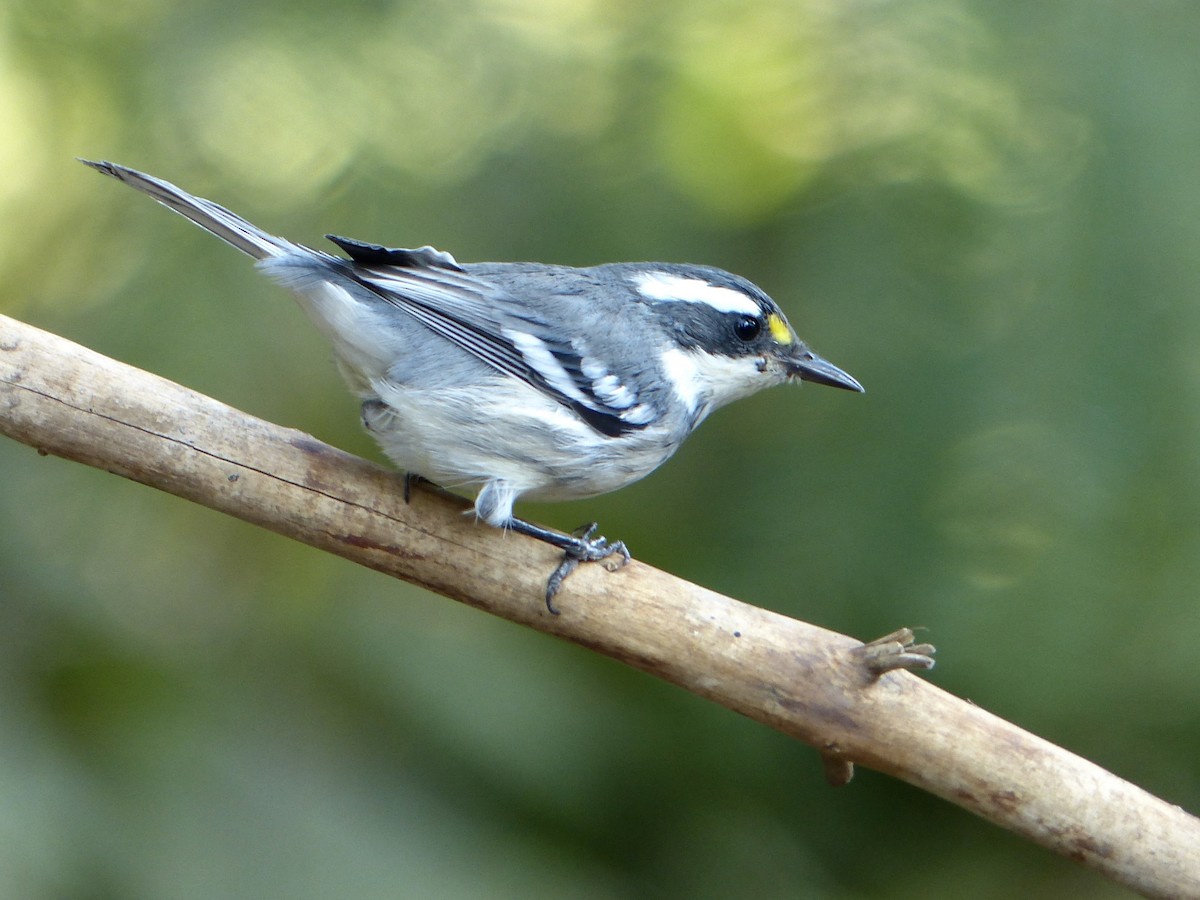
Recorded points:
(583, 548)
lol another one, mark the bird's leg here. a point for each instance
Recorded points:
(410, 480)
(578, 547)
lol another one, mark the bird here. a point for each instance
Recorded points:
(524, 380)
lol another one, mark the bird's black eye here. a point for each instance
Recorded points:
(748, 328)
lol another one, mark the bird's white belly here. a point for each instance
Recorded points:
(536, 446)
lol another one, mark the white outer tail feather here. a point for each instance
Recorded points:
(213, 218)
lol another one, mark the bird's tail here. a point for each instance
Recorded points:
(232, 229)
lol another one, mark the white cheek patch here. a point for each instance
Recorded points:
(704, 382)
(678, 288)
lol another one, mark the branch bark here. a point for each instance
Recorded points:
(807, 682)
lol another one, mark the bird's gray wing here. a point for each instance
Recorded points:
(513, 337)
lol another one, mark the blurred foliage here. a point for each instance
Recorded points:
(987, 211)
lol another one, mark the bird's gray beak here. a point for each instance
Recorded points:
(807, 366)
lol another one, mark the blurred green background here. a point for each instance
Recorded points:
(986, 210)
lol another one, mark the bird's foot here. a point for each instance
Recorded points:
(584, 548)
(577, 547)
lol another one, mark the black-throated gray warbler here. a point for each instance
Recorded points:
(522, 379)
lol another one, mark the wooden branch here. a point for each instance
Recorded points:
(809, 683)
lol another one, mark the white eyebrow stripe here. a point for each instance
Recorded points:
(665, 286)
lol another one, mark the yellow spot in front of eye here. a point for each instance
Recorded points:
(779, 329)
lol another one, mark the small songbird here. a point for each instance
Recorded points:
(523, 379)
